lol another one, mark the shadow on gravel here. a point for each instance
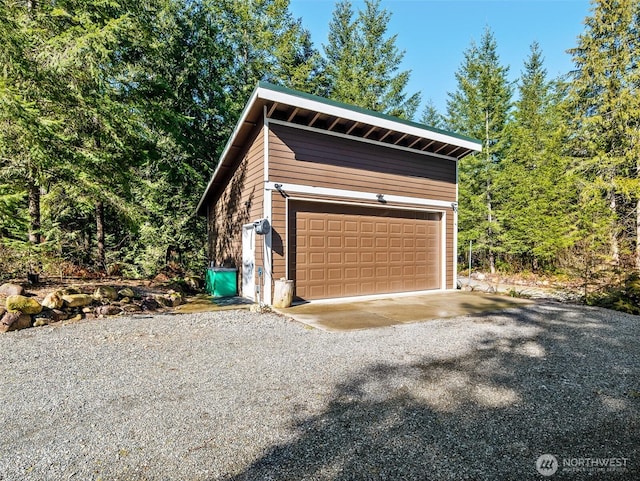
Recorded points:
(568, 387)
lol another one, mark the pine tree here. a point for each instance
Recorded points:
(431, 116)
(363, 63)
(479, 108)
(533, 187)
(605, 115)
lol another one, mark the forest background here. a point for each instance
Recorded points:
(113, 114)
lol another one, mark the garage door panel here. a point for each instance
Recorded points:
(364, 251)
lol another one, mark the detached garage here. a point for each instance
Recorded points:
(341, 200)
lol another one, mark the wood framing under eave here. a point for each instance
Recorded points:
(363, 117)
(415, 142)
(359, 139)
(333, 124)
(313, 120)
(428, 145)
(389, 132)
(400, 139)
(352, 127)
(272, 109)
(293, 114)
(369, 132)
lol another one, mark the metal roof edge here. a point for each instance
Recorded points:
(227, 147)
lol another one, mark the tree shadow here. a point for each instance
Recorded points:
(544, 380)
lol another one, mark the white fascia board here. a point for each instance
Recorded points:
(227, 147)
(356, 195)
(314, 105)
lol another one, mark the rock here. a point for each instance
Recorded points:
(126, 292)
(480, 276)
(58, 315)
(41, 321)
(49, 316)
(9, 289)
(106, 292)
(163, 301)
(26, 305)
(175, 298)
(149, 304)
(77, 300)
(69, 291)
(13, 321)
(194, 282)
(75, 318)
(131, 308)
(125, 300)
(2, 311)
(86, 310)
(53, 300)
(107, 310)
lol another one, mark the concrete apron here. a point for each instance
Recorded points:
(337, 315)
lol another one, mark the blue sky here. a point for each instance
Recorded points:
(435, 33)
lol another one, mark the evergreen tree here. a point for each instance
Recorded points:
(431, 116)
(362, 62)
(479, 108)
(533, 187)
(605, 116)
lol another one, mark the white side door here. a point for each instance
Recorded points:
(248, 261)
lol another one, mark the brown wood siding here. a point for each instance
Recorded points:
(279, 235)
(301, 157)
(450, 254)
(239, 203)
(339, 250)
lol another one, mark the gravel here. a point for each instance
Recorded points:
(237, 395)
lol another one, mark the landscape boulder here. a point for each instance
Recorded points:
(126, 292)
(149, 304)
(77, 300)
(108, 310)
(194, 282)
(13, 321)
(53, 300)
(175, 298)
(26, 305)
(69, 290)
(106, 292)
(9, 289)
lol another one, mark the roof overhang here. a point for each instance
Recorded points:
(310, 111)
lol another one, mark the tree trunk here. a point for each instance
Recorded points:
(637, 253)
(34, 212)
(615, 246)
(100, 254)
(492, 259)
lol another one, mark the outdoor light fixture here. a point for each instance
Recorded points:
(380, 197)
(279, 188)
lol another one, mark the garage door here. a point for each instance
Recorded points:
(341, 251)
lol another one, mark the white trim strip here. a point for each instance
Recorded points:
(357, 195)
(443, 251)
(361, 139)
(433, 210)
(314, 105)
(455, 248)
(267, 252)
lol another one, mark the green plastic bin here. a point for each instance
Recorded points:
(222, 281)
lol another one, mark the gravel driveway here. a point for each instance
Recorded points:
(237, 395)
